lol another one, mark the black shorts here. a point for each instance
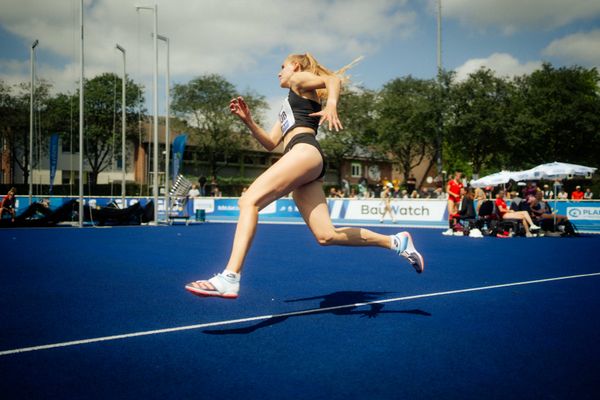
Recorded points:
(307, 138)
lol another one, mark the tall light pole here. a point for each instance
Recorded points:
(123, 106)
(167, 130)
(155, 107)
(439, 76)
(32, 88)
(81, 76)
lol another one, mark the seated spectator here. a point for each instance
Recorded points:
(588, 195)
(438, 193)
(194, 192)
(352, 193)
(467, 207)
(523, 216)
(516, 200)
(562, 195)
(333, 192)
(414, 195)
(480, 197)
(577, 194)
(541, 210)
(8, 204)
(215, 191)
(404, 194)
(548, 194)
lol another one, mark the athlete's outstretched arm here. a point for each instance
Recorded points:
(269, 140)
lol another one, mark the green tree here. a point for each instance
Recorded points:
(102, 118)
(202, 106)
(478, 125)
(15, 124)
(356, 110)
(559, 118)
(406, 121)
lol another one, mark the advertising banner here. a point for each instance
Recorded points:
(178, 148)
(53, 154)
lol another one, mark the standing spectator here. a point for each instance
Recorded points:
(386, 195)
(362, 188)
(345, 187)
(577, 194)
(8, 204)
(194, 192)
(411, 183)
(453, 190)
(548, 194)
(202, 187)
(588, 195)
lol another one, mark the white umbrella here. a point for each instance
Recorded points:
(558, 170)
(495, 179)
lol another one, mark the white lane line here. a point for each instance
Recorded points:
(289, 314)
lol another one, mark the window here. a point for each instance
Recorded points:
(356, 170)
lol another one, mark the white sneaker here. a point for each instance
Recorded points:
(529, 235)
(449, 232)
(225, 284)
(404, 246)
(534, 227)
(458, 233)
(475, 233)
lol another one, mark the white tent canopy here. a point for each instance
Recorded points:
(554, 170)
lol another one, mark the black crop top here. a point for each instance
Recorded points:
(294, 113)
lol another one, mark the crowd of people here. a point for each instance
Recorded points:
(527, 210)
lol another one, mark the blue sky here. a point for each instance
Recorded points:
(246, 41)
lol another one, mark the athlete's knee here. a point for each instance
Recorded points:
(247, 202)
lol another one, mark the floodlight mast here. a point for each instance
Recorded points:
(167, 127)
(155, 107)
(81, 77)
(123, 125)
(32, 89)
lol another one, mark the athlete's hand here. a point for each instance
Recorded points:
(239, 107)
(329, 115)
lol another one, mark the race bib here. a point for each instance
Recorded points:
(286, 116)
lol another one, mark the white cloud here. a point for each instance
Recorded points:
(226, 37)
(504, 65)
(583, 47)
(512, 15)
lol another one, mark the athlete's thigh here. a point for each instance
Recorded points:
(312, 204)
(300, 165)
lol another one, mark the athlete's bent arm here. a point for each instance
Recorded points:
(268, 140)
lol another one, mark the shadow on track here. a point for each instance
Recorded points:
(347, 300)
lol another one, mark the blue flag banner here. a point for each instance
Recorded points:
(177, 157)
(53, 158)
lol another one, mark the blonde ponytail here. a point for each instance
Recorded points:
(308, 63)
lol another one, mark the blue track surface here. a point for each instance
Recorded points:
(58, 285)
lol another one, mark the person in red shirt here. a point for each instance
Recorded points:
(577, 194)
(506, 213)
(453, 190)
(8, 204)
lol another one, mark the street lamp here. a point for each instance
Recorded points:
(155, 107)
(32, 67)
(81, 64)
(167, 130)
(123, 105)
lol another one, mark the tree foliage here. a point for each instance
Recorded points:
(202, 105)
(405, 121)
(356, 112)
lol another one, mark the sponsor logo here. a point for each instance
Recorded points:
(589, 213)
